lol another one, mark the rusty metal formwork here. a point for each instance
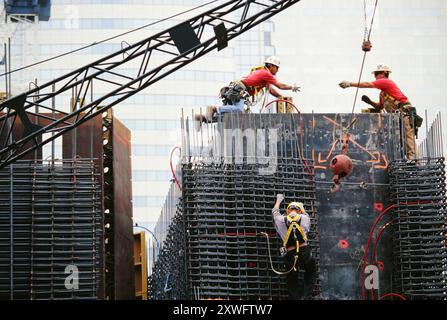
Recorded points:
(118, 238)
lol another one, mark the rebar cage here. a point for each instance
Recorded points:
(50, 230)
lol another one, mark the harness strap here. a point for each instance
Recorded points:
(294, 225)
(396, 103)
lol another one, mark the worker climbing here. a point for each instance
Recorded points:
(391, 100)
(236, 94)
(293, 229)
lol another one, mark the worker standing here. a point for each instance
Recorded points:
(293, 228)
(235, 94)
(391, 100)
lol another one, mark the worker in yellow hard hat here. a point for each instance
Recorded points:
(293, 228)
(235, 94)
(391, 100)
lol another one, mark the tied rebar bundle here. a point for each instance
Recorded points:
(50, 230)
(215, 240)
(418, 189)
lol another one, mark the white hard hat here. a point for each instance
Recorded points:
(382, 67)
(273, 60)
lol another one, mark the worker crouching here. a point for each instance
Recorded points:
(293, 228)
(236, 95)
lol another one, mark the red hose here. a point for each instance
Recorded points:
(368, 243)
(301, 128)
(376, 242)
(371, 233)
(391, 294)
(172, 168)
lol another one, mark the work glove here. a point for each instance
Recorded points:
(280, 197)
(344, 84)
(366, 99)
(295, 88)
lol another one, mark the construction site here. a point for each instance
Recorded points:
(373, 194)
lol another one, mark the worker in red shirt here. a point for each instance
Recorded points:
(391, 100)
(235, 95)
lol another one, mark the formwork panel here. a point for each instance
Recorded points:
(122, 197)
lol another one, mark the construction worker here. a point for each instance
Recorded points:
(293, 228)
(392, 100)
(234, 95)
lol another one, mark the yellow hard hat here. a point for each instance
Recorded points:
(297, 206)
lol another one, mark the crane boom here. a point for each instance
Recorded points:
(176, 46)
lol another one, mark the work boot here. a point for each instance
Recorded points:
(209, 113)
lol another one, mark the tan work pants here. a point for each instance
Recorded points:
(409, 137)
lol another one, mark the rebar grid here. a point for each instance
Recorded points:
(49, 222)
(420, 245)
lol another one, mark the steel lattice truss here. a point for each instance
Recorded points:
(233, 17)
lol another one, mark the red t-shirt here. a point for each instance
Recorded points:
(261, 77)
(390, 88)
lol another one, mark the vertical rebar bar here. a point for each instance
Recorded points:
(53, 114)
(442, 141)
(426, 134)
(11, 229)
(6, 71)
(9, 68)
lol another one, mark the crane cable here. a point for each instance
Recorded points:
(366, 38)
(108, 39)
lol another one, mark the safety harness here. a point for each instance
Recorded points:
(256, 89)
(237, 90)
(391, 105)
(299, 236)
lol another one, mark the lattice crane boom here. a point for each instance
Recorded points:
(176, 47)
